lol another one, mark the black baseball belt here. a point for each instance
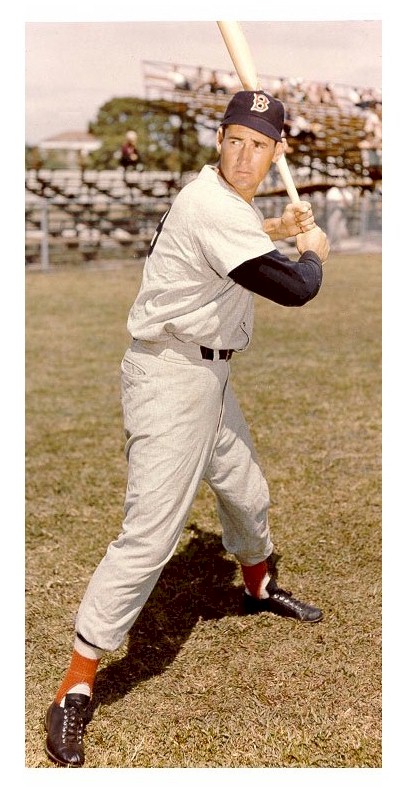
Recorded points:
(209, 353)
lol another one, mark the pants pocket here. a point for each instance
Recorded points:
(131, 368)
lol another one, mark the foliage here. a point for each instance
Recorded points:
(33, 159)
(168, 134)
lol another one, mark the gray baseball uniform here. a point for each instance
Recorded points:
(183, 425)
(182, 422)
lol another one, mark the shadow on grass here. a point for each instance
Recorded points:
(197, 583)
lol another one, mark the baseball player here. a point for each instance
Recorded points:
(211, 252)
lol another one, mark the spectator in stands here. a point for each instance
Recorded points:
(230, 82)
(353, 95)
(346, 98)
(298, 89)
(313, 91)
(199, 81)
(129, 152)
(178, 80)
(286, 91)
(215, 85)
(368, 98)
(338, 200)
(373, 125)
(300, 128)
(371, 144)
(273, 84)
(327, 94)
(371, 156)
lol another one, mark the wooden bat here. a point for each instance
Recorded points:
(246, 70)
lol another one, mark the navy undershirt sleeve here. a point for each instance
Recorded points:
(280, 279)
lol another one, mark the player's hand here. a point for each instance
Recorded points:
(314, 240)
(296, 218)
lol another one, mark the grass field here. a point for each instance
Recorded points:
(198, 684)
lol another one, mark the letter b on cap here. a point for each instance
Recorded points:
(260, 102)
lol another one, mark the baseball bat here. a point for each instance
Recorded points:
(241, 57)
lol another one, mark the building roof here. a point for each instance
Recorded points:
(71, 141)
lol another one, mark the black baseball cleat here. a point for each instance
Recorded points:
(281, 603)
(65, 727)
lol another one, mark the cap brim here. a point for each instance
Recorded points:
(256, 123)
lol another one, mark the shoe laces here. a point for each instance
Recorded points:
(73, 725)
(281, 594)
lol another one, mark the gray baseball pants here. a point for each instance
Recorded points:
(183, 425)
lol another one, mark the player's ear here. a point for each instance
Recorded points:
(220, 137)
(279, 150)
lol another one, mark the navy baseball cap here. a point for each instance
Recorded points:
(256, 110)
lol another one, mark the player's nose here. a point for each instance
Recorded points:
(244, 153)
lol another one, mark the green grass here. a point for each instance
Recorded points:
(198, 684)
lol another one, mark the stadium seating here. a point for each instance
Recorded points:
(89, 211)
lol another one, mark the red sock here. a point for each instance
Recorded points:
(81, 669)
(254, 576)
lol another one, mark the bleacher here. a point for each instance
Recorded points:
(94, 211)
(109, 211)
(331, 147)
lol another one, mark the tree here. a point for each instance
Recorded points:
(168, 134)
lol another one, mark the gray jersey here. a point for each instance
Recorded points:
(186, 290)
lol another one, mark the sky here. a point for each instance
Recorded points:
(75, 63)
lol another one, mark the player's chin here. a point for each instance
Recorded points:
(246, 180)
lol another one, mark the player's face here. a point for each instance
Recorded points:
(245, 158)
